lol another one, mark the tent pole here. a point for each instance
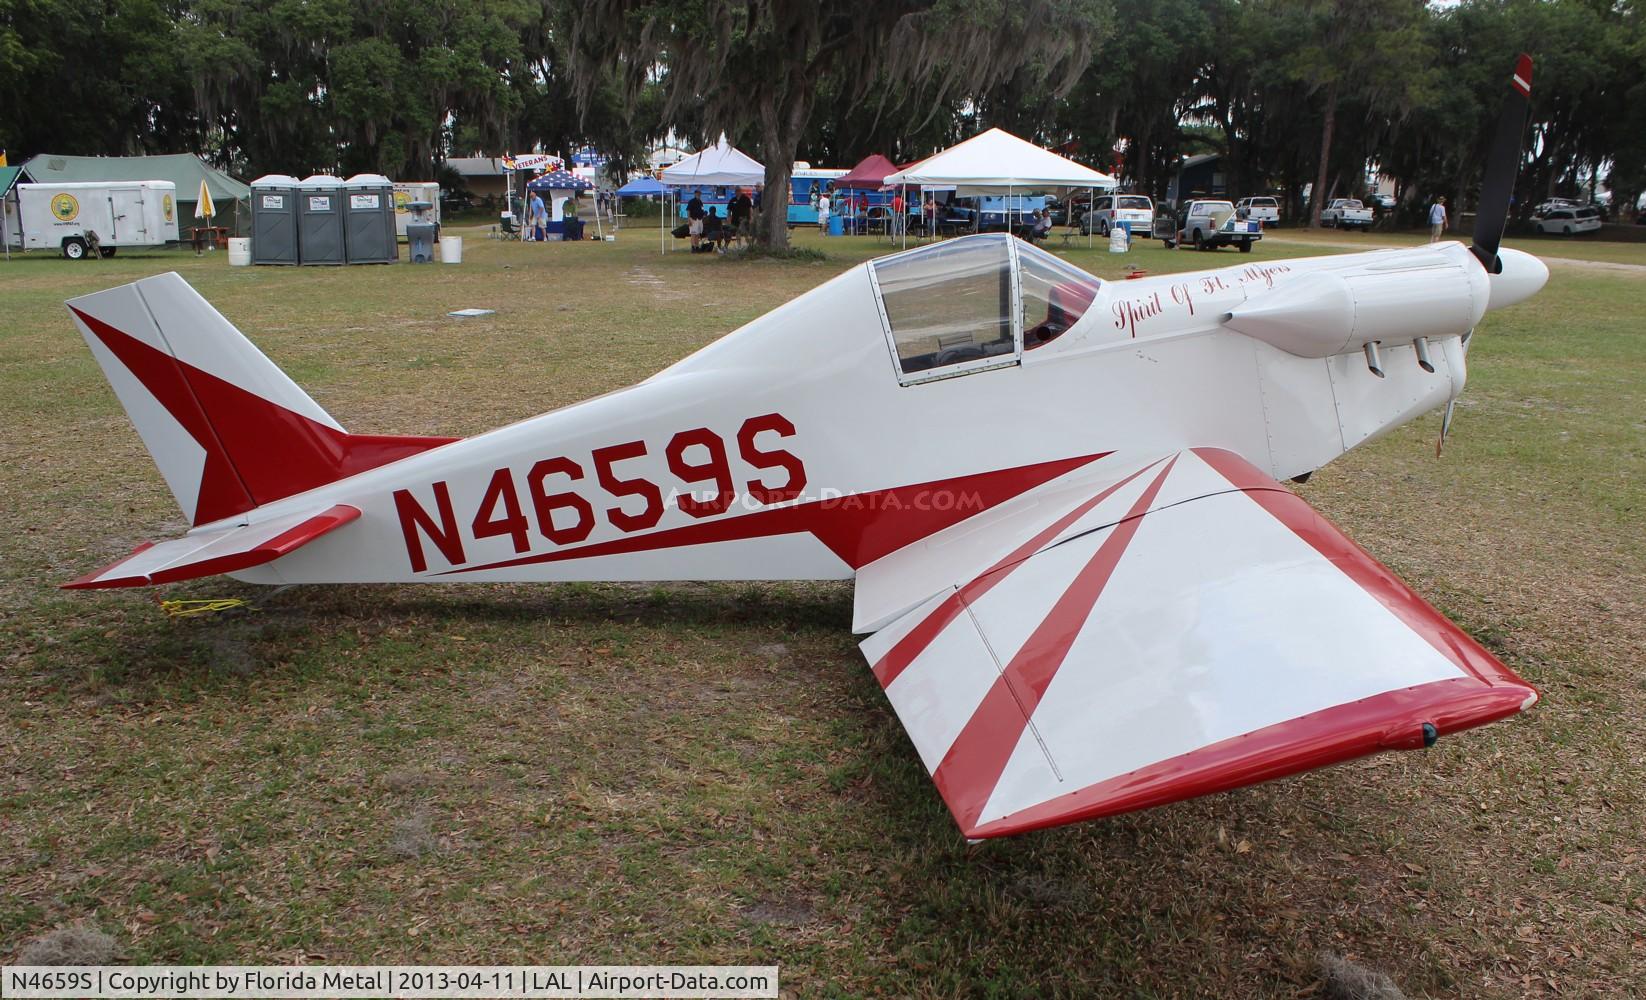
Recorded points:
(1091, 200)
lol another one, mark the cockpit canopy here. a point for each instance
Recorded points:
(976, 303)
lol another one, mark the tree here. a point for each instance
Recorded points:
(758, 66)
(1372, 49)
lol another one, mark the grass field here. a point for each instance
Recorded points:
(709, 773)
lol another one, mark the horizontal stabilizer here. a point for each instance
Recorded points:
(208, 553)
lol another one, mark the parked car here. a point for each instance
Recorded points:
(1552, 204)
(1132, 212)
(1207, 224)
(1346, 213)
(1264, 210)
(1567, 221)
(1066, 211)
(1386, 202)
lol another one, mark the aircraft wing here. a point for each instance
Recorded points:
(1155, 631)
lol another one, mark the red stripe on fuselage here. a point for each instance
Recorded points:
(859, 528)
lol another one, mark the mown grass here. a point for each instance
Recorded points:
(708, 773)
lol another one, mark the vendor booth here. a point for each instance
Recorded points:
(648, 187)
(714, 174)
(866, 201)
(559, 190)
(999, 163)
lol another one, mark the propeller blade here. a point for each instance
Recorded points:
(1502, 164)
(1445, 427)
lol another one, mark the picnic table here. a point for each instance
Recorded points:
(219, 236)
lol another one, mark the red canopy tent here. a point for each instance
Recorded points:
(869, 174)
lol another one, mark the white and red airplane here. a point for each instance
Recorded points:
(1086, 591)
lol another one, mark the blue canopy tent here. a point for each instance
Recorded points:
(559, 185)
(642, 187)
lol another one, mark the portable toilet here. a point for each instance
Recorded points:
(368, 220)
(320, 220)
(274, 219)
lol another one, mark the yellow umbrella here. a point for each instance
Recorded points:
(203, 208)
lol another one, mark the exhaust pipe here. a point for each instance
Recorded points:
(1374, 362)
(1421, 346)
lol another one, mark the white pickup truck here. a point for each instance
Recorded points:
(1346, 213)
(1207, 225)
(1263, 209)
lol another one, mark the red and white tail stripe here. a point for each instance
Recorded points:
(227, 428)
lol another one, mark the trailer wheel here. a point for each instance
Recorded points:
(1245, 246)
(74, 248)
(106, 252)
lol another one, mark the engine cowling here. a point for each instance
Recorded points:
(1323, 313)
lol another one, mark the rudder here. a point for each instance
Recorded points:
(228, 429)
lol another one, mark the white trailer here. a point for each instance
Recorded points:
(406, 192)
(121, 214)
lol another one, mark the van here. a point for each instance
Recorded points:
(1132, 212)
(65, 217)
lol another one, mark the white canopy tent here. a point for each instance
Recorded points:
(997, 159)
(720, 165)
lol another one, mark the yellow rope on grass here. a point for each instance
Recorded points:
(193, 609)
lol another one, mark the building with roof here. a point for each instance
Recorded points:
(484, 176)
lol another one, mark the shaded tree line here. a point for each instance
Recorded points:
(1293, 93)
(1318, 93)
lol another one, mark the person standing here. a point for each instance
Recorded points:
(741, 210)
(535, 216)
(694, 219)
(823, 213)
(1437, 219)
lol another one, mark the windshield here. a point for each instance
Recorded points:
(1263, 202)
(954, 307)
(949, 303)
(1134, 202)
(1352, 203)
